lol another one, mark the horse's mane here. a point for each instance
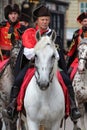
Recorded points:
(83, 41)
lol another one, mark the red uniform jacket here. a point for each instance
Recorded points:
(75, 42)
(72, 53)
(5, 42)
(28, 37)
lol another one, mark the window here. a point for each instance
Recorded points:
(83, 7)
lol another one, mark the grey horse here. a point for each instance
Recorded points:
(6, 82)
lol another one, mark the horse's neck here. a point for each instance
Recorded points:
(8, 78)
(82, 76)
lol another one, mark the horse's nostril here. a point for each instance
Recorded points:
(43, 86)
(83, 69)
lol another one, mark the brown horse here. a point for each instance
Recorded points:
(6, 82)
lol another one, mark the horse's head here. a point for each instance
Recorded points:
(82, 55)
(14, 52)
(45, 60)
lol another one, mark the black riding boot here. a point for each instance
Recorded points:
(74, 112)
(11, 109)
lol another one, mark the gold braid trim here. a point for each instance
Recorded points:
(73, 42)
(85, 34)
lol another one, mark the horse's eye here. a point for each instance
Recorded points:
(35, 56)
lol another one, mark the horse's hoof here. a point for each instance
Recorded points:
(1, 124)
(78, 128)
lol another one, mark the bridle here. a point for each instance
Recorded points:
(51, 75)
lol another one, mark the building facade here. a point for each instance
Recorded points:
(75, 8)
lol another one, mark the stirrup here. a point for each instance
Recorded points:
(75, 114)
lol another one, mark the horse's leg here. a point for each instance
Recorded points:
(13, 125)
(1, 123)
(32, 125)
(56, 125)
(7, 124)
(82, 122)
(10, 124)
(22, 122)
(42, 127)
(21, 125)
(76, 127)
(82, 111)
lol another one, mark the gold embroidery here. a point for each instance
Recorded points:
(73, 42)
(9, 36)
(85, 34)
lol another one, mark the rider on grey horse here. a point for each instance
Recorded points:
(41, 13)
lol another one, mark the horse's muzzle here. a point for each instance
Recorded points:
(43, 86)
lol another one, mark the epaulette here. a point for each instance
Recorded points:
(3, 23)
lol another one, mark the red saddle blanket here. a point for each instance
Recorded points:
(27, 79)
(3, 63)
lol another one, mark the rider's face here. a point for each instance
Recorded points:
(84, 22)
(13, 16)
(43, 22)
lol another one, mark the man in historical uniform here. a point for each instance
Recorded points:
(77, 36)
(8, 29)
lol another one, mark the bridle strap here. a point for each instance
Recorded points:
(81, 58)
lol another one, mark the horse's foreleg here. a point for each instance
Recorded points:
(76, 127)
(42, 127)
(1, 124)
(7, 125)
(82, 123)
(56, 125)
(82, 111)
(32, 125)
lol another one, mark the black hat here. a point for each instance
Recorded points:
(81, 17)
(26, 11)
(24, 17)
(11, 8)
(40, 11)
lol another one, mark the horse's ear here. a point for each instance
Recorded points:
(38, 35)
(53, 35)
